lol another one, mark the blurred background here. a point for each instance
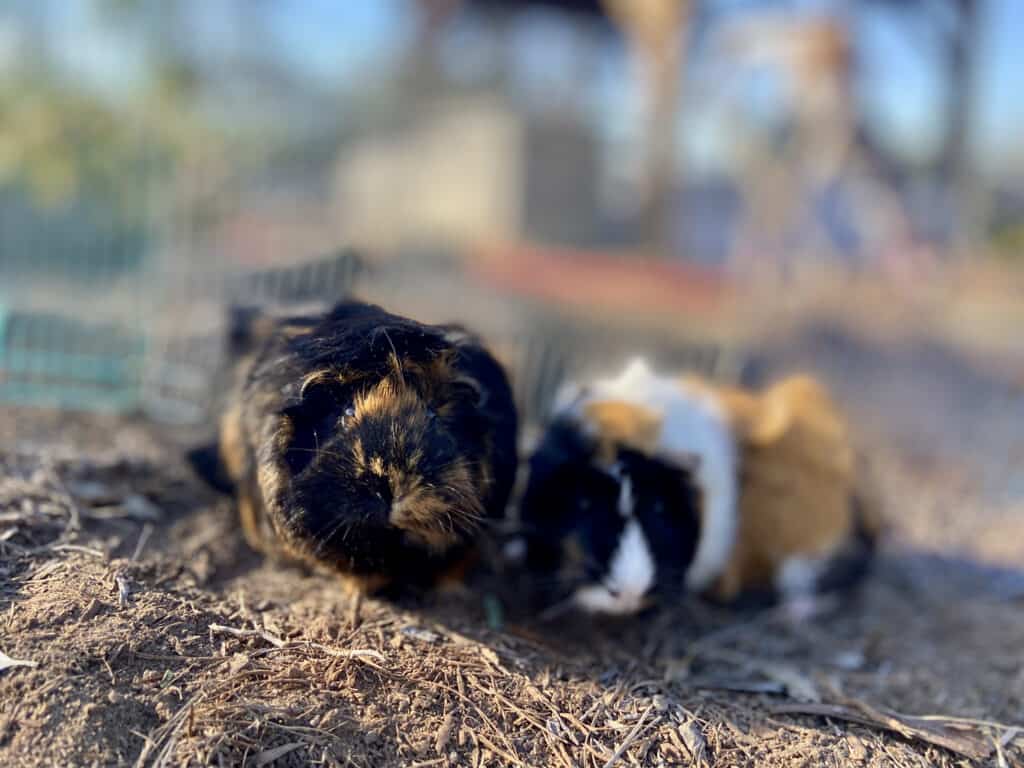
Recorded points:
(577, 179)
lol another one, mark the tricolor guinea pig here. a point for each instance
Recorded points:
(366, 442)
(646, 485)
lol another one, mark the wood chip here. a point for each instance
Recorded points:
(124, 589)
(858, 752)
(444, 733)
(268, 756)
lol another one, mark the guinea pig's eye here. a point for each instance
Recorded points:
(584, 504)
(347, 415)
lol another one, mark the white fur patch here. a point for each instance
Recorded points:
(626, 496)
(797, 577)
(629, 578)
(694, 426)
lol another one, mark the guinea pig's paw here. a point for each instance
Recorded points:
(452, 579)
(364, 584)
(799, 610)
(453, 588)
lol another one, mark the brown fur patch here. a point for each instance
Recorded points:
(453, 578)
(422, 515)
(620, 423)
(404, 483)
(252, 527)
(353, 584)
(358, 457)
(386, 397)
(437, 521)
(232, 443)
(797, 479)
(377, 466)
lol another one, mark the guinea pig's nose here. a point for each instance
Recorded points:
(401, 512)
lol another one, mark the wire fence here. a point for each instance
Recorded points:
(134, 320)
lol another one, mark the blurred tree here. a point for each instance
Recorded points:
(655, 31)
(61, 138)
(950, 29)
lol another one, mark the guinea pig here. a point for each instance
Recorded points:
(646, 485)
(366, 442)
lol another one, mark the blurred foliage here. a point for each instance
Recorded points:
(1008, 241)
(60, 142)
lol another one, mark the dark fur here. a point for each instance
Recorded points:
(571, 519)
(338, 416)
(851, 564)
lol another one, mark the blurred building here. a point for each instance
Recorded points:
(473, 169)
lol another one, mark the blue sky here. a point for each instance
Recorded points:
(334, 37)
(337, 39)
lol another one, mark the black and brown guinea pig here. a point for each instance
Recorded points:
(366, 442)
(646, 485)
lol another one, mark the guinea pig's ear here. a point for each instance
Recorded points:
(313, 417)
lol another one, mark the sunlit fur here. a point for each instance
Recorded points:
(807, 509)
(369, 443)
(783, 502)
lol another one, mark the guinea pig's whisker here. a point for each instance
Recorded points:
(324, 539)
(293, 516)
(394, 353)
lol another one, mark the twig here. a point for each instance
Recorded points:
(267, 756)
(283, 645)
(147, 531)
(167, 734)
(346, 653)
(233, 631)
(355, 610)
(630, 738)
(124, 589)
(968, 746)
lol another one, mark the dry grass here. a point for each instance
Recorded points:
(152, 637)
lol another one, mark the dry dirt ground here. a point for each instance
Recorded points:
(137, 629)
